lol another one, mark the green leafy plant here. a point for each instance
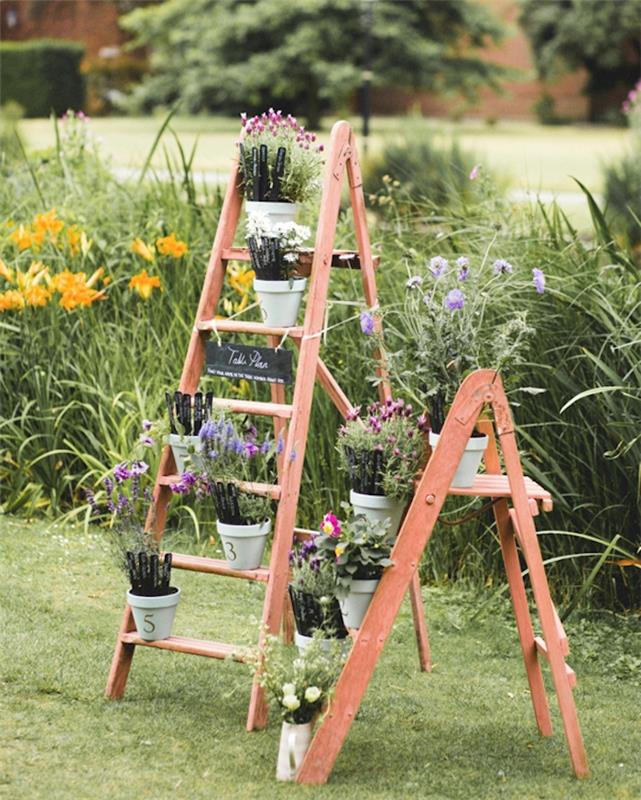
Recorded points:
(359, 550)
(301, 684)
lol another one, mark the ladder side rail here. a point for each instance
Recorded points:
(538, 580)
(517, 590)
(302, 402)
(413, 537)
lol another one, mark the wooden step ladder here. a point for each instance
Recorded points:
(516, 527)
(290, 419)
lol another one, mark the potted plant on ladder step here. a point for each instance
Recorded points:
(449, 329)
(234, 456)
(152, 599)
(274, 257)
(359, 551)
(186, 414)
(381, 454)
(301, 685)
(312, 591)
(280, 164)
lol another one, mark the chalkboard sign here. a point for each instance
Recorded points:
(253, 363)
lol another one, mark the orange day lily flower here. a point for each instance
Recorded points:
(141, 249)
(170, 246)
(48, 223)
(11, 301)
(5, 272)
(144, 284)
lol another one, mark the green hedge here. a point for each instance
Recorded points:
(42, 75)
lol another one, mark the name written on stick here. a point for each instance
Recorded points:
(266, 364)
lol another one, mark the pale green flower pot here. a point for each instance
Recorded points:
(244, 545)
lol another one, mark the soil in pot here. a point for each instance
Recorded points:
(311, 615)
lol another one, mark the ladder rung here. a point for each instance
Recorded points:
(238, 326)
(338, 258)
(487, 485)
(304, 533)
(182, 644)
(217, 567)
(283, 410)
(272, 490)
(542, 647)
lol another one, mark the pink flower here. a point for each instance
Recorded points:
(331, 526)
(475, 172)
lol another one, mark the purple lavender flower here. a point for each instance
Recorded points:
(122, 472)
(251, 449)
(280, 444)
(367, 323)
(455, 300)
(91, 500)
(538, 279)
(207, 430)
(265, 446)
(414, 282)
(501, 266)
(438, 266)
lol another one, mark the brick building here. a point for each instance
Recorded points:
(95, 23)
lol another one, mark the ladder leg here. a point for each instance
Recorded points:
(420, 625)
(541, 591)
(288, 621)
(523, 620)
(121, 661)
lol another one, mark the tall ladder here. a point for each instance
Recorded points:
(516, 527)
(290, 419)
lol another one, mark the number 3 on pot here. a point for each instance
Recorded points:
(231, 553)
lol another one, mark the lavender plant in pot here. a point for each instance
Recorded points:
(381, 454)
(360, 550)
(152, 599)
(233, 456)
(186, 415)
(280, 164)
(456, 318)
(312, 590)
(274, 257)
(301, 685)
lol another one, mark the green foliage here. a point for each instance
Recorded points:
(420, 170)
(308, 56)
(42, 75)
(301, 684)
(359, 550)
(623, 195)
(599, 35)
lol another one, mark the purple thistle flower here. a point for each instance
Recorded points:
(122, 472)
(139, 468)
(501, 266)
(414, 282)
(438, 266)
(463, 264)
(148, 441)
(146, 425)
(538, 279)
(455, 300)
(367, 323)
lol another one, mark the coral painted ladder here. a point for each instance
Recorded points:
(515, 526)
(290, 419)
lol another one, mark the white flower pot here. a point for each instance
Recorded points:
(354, 606)
(184, 446)
(276, 213)
(303, 642)
(244, 545)
(378, 508)
(294, 743)
(153, 616)
(280, 300)
(470, 461)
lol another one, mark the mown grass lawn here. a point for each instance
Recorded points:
(465, 731)
(531, 156)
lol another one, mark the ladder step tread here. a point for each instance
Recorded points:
(282, 410)
(339, 258)
(499, 486)
(272, 490)
(217, 566)
(183, 644)
(542, 647)
(238, 326)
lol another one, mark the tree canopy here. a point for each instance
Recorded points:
(307, 54)
(603, 36)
